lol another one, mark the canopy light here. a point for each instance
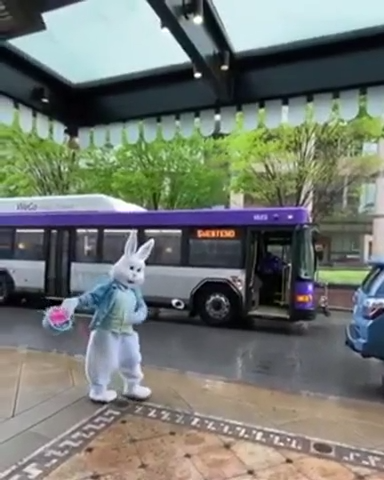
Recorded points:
(193, 10)
(196, 73)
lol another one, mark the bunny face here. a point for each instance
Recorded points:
(129, 270)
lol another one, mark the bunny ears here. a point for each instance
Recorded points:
(131, 246)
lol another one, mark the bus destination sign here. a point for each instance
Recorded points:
(223, 233)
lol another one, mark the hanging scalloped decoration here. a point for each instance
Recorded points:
(228, 116)
(375, 101)
(150, 129)
(99, 136)
(7, 110)
(273, 111)
(207, 123)
(132, 131)
(58, 132)
(250, 116)
(168, 127)
(322, 107)
(42, 125)
(296, 111)
(85, 136)
(116, 133)
(349, 104)
(187, 122)
(25, 118)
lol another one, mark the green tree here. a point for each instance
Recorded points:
(183, 173)
(307, 165)
(34, 166)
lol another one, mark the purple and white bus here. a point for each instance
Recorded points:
(222, 264)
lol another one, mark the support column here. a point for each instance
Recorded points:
(378, 217)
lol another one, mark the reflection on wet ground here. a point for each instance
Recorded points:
(260, 421)
(317, 362)
(197, 427)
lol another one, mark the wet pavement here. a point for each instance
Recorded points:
(316, 362)
(227, 404)
(195, 428)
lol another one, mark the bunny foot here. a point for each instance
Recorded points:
(107, 396)
(137, 392)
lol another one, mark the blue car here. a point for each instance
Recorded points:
(365, 334)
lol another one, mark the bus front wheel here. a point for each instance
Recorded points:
(216, 305)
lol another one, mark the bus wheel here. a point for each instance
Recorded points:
(5, 288)
(216, 305)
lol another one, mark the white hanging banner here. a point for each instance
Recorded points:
(208, 122)
(7, 110)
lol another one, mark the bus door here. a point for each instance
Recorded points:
(252, 282)
(303, 272)
(57, 263)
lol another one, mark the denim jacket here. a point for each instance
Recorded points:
(101, 300)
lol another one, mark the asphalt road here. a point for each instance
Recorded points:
(316, 362)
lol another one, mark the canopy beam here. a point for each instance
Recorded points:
(205, 43)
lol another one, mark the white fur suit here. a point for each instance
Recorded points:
(113, 343)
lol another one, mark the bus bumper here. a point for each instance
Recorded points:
(303, 315)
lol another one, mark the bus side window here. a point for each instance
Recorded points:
(167, 248)
(216, 253)
(113, 244)
(6, 243)
(86, 246)
(29, 245)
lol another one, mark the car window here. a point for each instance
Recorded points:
(369, 282)
(378, 287)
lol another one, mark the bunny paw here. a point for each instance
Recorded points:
(138, 393)
(107, 396)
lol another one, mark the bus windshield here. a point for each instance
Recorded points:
(306, 257)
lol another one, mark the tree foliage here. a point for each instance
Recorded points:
(185, 173)
(33, 166)
(308, 165)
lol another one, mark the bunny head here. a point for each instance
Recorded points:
(129, 270)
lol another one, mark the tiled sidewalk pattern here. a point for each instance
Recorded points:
(138, 449)
(174, 441)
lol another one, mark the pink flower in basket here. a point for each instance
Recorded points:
(59, 316)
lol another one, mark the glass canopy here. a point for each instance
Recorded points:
(251, 24)
(99, 39)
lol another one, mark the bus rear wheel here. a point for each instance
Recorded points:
(6, 287)
(217, 305)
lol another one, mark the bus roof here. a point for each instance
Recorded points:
(162, 218)
(68, 203)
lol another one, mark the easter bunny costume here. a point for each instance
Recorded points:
(113, 344)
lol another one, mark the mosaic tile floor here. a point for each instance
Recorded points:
(153, 443)
(197, 428)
